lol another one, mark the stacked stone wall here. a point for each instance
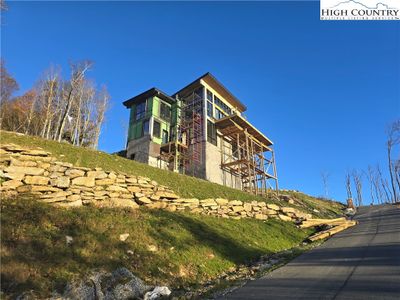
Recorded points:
(36, 172)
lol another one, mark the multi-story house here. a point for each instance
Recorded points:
(200, 131)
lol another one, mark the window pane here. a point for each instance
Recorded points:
(209, 109)
(140, 111)
(145, 127)
(156, 129)
(165, 112)
(209, 96)
(211, 133)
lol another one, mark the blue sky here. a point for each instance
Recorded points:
(323, 91)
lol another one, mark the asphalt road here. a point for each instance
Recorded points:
(362, 262)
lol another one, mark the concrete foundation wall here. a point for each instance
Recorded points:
(214, 173)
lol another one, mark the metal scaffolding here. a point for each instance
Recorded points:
(244, 155)
(185, 151)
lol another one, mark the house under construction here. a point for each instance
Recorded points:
(200, 131)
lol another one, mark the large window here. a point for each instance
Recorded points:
(165, 111)
(209, 96)
(145, 127)
(211, 133)
(156, 129)
(219, 114)
(140, 111)
(210, 109)
(222, 105)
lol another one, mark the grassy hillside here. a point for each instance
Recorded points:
(184, 186)
(174, 249)
(165, 248)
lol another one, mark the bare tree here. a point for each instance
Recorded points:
(392, 141)
(348, 185)
(372, 188)
(357, 178)
(325, 177)
(102, 105)
(48, 90)
(71, 92)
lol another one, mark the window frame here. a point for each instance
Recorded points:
(142, 113)
(154, 128)
(162, 112)
(148, 127)
(212, 133)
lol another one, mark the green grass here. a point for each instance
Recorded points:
(191, 249)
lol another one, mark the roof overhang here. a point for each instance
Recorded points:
(217, 86)
(147, 94)
(243, 124)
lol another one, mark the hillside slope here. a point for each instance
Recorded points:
(185, 186)
(43, 247)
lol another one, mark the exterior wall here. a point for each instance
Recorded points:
(139, 148)
(214, 173)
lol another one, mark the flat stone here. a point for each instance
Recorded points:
(269, 211)
(112, 175)
(131, 179)
(247, 207)
(222, 201)
(70, 204)
(120, 202)
(97, 174)
(273, 206)
(73, 197)
(154, 197)
(284, 218)
(61, 182)
(24, 170)
(85, 181)
(100, 193)
(36, 152)
(12, 148)
(157, 205)
(16, 176)
(143, 200)
(36, 188)
(116, 188)
(237, 208)
(55, 195)
(73, 173)
(18, 163)
(287, 210)
(36, 180)
(235, 202)
(12, 184)
(106, 181)
(35, 158)
(261, 217)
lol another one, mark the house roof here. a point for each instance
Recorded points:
(229, 122)
(217, 86)
(149, 93)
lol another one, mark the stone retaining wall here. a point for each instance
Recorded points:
(36, 172)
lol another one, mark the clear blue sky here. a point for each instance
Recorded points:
(323, 91)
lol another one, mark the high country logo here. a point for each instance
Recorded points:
(359, 10)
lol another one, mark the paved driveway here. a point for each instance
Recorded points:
(362, 262)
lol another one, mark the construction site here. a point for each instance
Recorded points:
(201, 131)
